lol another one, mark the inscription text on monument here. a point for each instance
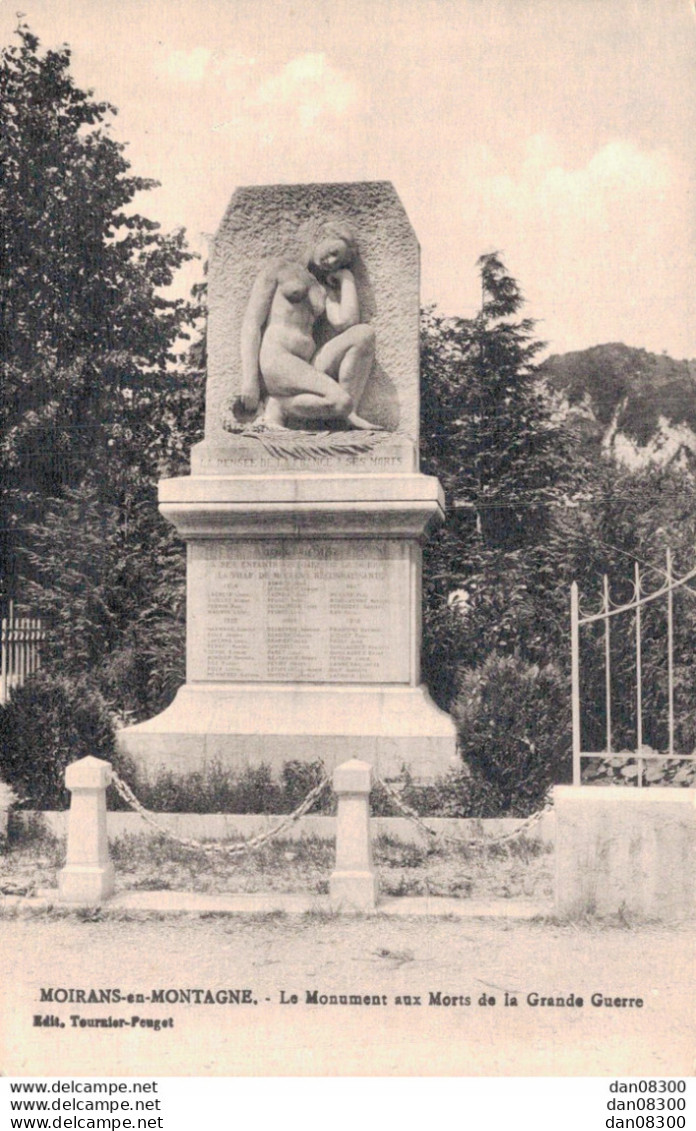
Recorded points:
(278, 611)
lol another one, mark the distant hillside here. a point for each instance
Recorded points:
(639, 406)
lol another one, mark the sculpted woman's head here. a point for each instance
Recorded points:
(334, 247)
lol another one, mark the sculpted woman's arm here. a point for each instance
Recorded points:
(342, 305)
(255, 317)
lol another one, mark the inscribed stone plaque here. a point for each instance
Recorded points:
(277, 611)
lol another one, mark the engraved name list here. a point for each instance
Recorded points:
(328, 612)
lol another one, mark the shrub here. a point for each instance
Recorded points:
(48, 723)
(214, 790)
(513, 723)
(460, 793)
(220, 789)
(301, 777)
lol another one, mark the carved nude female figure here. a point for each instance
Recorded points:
(279, 353)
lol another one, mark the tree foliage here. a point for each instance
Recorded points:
(100, 394)
(87, 337)
(489, 434)
(533, 506)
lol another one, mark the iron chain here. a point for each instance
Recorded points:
(254, 843)
(237, 849)
(415, 819)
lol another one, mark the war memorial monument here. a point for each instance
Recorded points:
(305, 511)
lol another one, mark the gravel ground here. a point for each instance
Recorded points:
(383, 959)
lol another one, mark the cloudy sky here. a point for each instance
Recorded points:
(561, 132)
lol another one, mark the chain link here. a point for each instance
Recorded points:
(415, 819)
(237, 849)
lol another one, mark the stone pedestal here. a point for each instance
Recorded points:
(353, 883)
(625, 850)
(303, 627)
(304, 545)
(88, 875)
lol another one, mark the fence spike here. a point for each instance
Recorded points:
(670, 653)
(575, 681)
(20, 650)
(607, 661)
(639, 678)
(3, 670)
(636, 603)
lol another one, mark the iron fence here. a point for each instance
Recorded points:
(21, 639)
(606, 615)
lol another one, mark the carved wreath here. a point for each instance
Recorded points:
(308, 445)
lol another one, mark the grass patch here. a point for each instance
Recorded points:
(30, 860)
(322, 915)
(280, 865)
(517, 869)
(30, 830)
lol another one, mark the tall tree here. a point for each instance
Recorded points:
(100, 394)
(87, 336)
(487, 422)
(489, 434)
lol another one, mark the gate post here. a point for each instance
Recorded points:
(88, 875)
(353, 884)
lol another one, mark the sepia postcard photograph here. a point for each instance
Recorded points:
(348, 558)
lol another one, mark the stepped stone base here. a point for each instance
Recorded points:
(241, 725)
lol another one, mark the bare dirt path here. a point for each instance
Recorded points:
(375, 958)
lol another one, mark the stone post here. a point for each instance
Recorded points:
(353, 884)
(88, 875)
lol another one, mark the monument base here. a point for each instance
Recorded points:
(303, 627)
(241, 725)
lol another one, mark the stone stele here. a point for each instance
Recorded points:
(274, 221)
(304, 544)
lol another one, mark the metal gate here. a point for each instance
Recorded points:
(606, 614)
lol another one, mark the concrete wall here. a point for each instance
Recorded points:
(625, 850)
(217, 826)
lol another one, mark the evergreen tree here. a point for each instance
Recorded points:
(489, 434)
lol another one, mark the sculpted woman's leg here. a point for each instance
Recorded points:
(301, 390)
(349, 357)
